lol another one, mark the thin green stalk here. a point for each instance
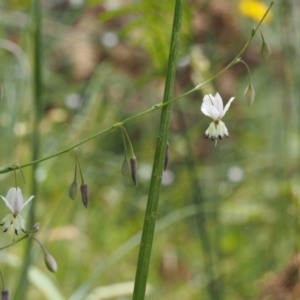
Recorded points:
(131, 154)
(166, 221)
(17, 241)
(158, 164)
(153, 108)
(35, 143)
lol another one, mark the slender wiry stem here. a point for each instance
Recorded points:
(35, 139)
(158, 164)
(153, 108)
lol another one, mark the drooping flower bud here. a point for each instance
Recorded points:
(84, 194)
(133, 166)
(125, 167)
(249, 94)
(167, 156)
(50, 262)
(265, 49)
(73, 190)
(5, 295)
(36, 227)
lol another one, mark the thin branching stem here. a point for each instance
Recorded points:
(153, 108)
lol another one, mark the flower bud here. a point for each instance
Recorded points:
(36, 227)
(265, 50)
(5, 295)
(50, 262)
(125, 167)
(133, 166)
(167, 156)
(73, 190)
(84, 194)
(249, 94)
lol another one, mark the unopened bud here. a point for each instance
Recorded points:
(73, 190)
(50, 262)
(36, 227)
(84, 194)
(125, 167)
(167, 156)
(265, 50)
(133, 166)
(249, 94)
(5, 295)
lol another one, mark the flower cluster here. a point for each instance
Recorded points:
(14, 202)
(212, 106)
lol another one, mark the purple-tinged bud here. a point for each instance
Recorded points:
(133, 166)
(249, 94)
(167, 156)
(84, 194)
(36, 227)
(73, 190)
(125, 167)
(50, 262)
(5, 295)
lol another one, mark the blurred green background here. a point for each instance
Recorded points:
(228, 220)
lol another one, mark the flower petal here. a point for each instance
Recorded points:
(6, 222)
(24, 204)
(222, 130)
(211, 131)
(209, 99)
(7, 204)
(19, 224)
(209, 110)
(15, 199)
(219, 104)
(227, 106)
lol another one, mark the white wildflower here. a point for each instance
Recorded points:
(14, 202)
(212, 106)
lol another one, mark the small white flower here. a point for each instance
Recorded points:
(212, 106)
(14, 202)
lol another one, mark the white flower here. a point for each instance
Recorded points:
(14, 202)
(212, 106)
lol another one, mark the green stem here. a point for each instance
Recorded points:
(153, 108)
(35, 142)
(75, 172)
(3, 282)
(124, 141)
(158, 164)
(17, 241)
(248, 70)
(80, 171)
(128, 141)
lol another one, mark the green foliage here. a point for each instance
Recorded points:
(227, 217)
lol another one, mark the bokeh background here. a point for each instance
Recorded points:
(228, 220)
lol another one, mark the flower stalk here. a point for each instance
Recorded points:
(158, 164)
(73, 187)
(49, 259)
(83, 186)
(249, 94)
(153, 108)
